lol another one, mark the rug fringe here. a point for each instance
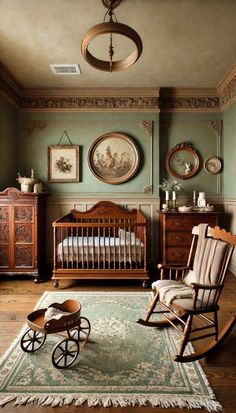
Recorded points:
(122, 400)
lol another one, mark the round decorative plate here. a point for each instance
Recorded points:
(213, 165)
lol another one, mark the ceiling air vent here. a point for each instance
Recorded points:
(65, 69)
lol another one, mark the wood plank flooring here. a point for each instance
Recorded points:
(18, 297)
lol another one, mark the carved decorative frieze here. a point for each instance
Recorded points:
(89, 103)
(23, 257)
(23, 214)
(23, 233)
(30, 125)
(178, 102)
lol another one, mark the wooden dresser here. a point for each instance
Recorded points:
(176, 236)
(22, 233)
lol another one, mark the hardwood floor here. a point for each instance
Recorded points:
(18, 297)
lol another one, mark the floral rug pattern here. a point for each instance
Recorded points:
(122, 364)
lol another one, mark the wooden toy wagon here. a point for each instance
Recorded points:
(58, 318)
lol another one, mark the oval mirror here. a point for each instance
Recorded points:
(182, 161)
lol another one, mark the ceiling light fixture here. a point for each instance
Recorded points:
(111, 27)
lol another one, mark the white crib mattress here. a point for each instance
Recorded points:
(102, 248)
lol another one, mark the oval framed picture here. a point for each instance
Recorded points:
(113, 158)
(213, 165)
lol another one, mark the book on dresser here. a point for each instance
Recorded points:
(176, 233)
(22, 233)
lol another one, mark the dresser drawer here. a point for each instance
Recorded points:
(176, 233)
(186, 223)
(178, 238)
(177, 255)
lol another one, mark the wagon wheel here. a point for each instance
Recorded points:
(81, 333)
(32, 341)
(65, 353)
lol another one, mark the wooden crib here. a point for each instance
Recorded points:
(105, 242)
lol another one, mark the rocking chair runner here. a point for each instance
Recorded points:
(185, 295)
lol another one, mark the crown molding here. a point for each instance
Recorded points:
(92, 100)
(189, 100)
(91, 92)
(227, 89)
(119, 99)
(9, 87)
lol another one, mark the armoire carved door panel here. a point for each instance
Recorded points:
(23, 256)
(4, 232)
(22, 233)
(4, 256)
(23, 213)
(4, 236)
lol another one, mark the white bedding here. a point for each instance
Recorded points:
(100, 248)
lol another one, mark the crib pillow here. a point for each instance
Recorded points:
(126, 236)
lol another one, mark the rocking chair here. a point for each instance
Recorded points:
(191, 293)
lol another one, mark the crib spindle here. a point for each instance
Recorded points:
(93, 247)
(67, 249)
(87, 246)
(82, 246)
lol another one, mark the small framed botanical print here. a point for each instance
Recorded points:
(63, 163)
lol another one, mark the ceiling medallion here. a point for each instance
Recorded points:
(111, 27)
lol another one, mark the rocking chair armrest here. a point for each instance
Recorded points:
(200, 293)
(171, 267)
(172, 272)
(197, 286)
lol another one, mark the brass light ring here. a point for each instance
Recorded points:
(113, 27)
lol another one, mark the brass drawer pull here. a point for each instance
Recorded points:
(178, 254)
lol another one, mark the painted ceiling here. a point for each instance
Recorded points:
(186, 43)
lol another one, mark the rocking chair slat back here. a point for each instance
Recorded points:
(198, 293)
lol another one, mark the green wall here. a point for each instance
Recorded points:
(229, 152)
(83, 129)
(19, 152)
(196, 129)
(8, 144)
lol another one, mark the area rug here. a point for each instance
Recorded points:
(122, 364)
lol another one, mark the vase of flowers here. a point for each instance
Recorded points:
(170, 187)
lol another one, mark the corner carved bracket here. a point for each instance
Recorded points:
(216, 125)
(148, 126)
(30, 125)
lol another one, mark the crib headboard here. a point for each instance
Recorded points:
(106, 211)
